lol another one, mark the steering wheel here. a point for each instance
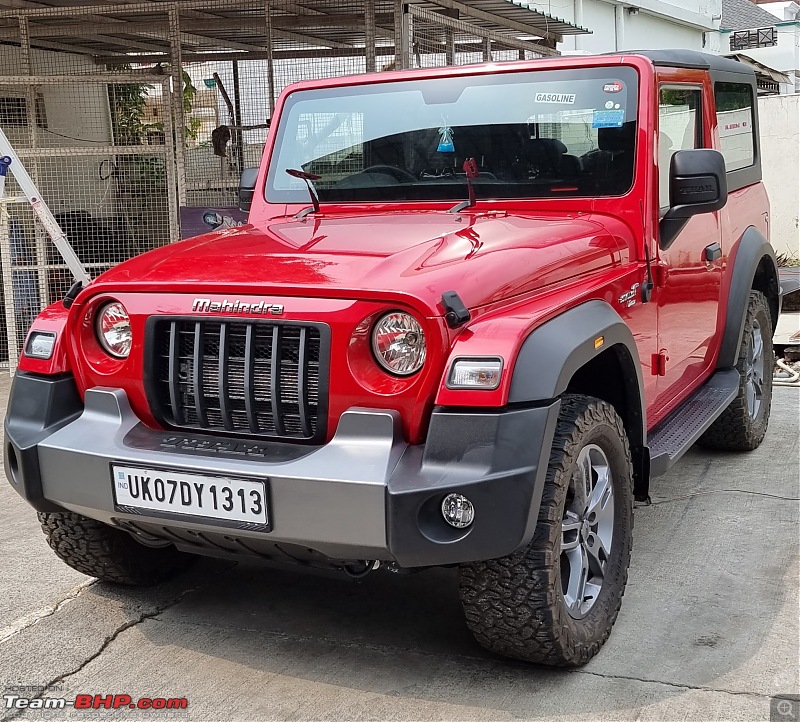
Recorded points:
(399, 173)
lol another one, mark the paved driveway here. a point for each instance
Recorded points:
(708, 629)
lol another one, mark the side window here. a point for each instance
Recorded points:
(679, 128)
(734, 103)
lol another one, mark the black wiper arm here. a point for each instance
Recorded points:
(470, 167)
(308, 178)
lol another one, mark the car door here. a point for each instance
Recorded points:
(690, 269)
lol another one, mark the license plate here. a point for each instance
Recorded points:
(240, 503)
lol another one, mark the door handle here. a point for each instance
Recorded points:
(713, 252)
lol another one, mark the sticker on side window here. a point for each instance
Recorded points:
(608, 118)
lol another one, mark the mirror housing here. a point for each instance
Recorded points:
(697, 184)
(247, 187)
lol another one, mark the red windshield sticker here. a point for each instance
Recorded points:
(615, 87)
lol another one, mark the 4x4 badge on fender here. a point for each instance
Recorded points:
(206, 305)
(629, 297)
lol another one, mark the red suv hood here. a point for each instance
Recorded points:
(483, 256)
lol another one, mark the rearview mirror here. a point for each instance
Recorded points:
(697, 184)
(247, 187)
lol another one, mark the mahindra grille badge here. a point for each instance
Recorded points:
(206, 305)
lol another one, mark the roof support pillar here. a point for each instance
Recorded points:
(369, 35)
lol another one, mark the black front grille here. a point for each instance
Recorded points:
(249, 378)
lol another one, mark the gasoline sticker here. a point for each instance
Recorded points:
(562, 98)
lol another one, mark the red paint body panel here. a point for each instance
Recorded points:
(52, 319)
(514, 263)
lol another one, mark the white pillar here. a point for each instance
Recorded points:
(619, 26)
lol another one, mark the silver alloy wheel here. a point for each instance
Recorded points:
(754, 371)
(587, 530)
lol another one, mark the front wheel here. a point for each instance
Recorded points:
(555, 601)
(110, 554)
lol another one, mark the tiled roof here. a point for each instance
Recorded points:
(744, 15)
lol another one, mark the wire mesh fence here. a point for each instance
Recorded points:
(104, 169)
(132, 116)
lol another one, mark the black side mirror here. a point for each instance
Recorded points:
(247, 187)
(697, 184)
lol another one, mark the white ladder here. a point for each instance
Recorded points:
(9, 160)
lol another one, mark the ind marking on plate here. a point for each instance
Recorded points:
(181, 493)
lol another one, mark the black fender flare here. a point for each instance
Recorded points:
(750, 250)
(554, 351)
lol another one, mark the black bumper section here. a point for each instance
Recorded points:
(503, 456)
(497, 459)
(37, 407)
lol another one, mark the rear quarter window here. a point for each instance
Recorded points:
(734, 103)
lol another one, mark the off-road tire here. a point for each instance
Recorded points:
(109, 554)
(736, 429)
(515, 605)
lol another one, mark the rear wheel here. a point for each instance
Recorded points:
(109, 554)
(742, 426)
(555, 601)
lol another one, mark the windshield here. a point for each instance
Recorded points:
(533, 135)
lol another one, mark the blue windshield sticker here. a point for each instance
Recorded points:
(608, 118)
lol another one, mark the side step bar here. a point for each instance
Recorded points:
(673, 437)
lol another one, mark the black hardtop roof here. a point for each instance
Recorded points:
(691, 59)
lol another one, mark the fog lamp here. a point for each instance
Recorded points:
(475, 373)
(458, 511)
(40, 345)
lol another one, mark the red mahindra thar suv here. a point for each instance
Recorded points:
(473, 312)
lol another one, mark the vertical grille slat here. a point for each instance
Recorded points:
(255, 378)
(197, 374)
(222, 378)
(172, 372)
(301, 384)
(249, 373)
(275, 381)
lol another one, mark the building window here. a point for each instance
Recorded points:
(761, 38)
(734, 103)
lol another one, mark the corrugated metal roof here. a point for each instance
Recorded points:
(240, 24)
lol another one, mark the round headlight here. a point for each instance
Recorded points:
(114, 330)
(398, 343)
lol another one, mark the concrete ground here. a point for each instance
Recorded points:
(708, 628)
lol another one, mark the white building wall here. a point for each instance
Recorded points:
(77, 115)
(638, 24)
(779, 117)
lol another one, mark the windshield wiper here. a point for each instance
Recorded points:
(308, 178)
(470, 167)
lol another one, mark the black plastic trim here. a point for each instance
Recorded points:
(751, 248)
(37, 407)
(690, 59)
(554, 351)
(498, 460)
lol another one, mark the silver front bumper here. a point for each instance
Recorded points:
(332, 498)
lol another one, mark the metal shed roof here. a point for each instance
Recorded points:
(240, 26)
